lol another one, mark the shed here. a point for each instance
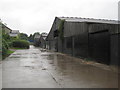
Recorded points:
(43, 40)
(14, 33)
(37, 40)
(95, 39)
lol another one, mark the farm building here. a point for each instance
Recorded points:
(37, 40)
(5, 29)
(14, 33)
(42, 40)
(96, 39)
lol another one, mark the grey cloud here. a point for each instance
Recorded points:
(37, 15)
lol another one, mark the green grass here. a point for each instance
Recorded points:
(9, 52)
(17, 48)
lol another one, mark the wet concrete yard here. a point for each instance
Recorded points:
(33, 68)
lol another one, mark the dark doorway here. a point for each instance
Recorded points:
(99, 46)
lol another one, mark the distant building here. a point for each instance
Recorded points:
(14, 33)
(40, 40)
(96, 39)
(5, 29)
(43, 40)
(37, 40)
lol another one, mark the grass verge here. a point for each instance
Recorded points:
(17, 48)
(9, 52)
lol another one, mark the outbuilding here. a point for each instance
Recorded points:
(37, 40)
(43, 40)
(95, 39)
(14, 33)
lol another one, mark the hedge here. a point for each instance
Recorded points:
(20, 44)
(4, 47)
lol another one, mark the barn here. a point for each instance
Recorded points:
(42, 40)
(95, 39)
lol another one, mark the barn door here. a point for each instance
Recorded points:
(99, 46)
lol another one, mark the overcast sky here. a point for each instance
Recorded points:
(31, 16)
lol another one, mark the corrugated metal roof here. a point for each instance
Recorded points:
(89, 20)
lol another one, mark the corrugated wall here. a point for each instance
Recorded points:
(114, 44)
(68, 45)
(52, 41)
(76, 34)
(119, 49)
(97, 41)
(74, 29)
(119, 44)
(103, 43)
(114, 49)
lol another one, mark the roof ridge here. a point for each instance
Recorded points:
(88, 18)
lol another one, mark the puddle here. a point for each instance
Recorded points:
(15, 57)
(65, 70)
(35, 53)
(44, 69)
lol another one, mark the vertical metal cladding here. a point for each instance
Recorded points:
(119, 44)
(99, 43)
(78, 32)
(119, 48)
(114, 45)
(96, 40)
(103, 43)
(99, 46)
(114, 49)
(52, 42)
(68, 45)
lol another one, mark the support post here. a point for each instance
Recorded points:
(73, 46)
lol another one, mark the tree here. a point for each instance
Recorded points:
(23, 36)
(36, 33)
(31, 38)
